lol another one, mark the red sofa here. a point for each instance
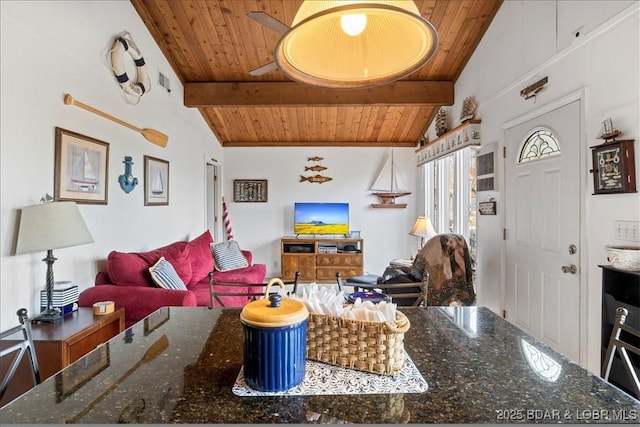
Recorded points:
(127, 281)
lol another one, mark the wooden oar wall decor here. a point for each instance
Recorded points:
(151, 135)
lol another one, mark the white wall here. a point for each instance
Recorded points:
(521, 46)
(52, 48)
(353, 170)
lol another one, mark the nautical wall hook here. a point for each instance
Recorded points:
(127, 181)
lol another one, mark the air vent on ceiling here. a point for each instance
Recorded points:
(163, 81)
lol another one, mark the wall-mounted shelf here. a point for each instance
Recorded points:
(465, 135)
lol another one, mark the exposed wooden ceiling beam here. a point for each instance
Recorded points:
(236, 94)
(228, 144)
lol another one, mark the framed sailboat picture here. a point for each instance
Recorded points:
(156, 181)
(81, 168)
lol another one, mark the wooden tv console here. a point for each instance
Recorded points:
(320, 259)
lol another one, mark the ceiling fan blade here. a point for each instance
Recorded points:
(264, 69)
(269, 21)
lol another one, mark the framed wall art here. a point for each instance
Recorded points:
(156, 181)
(613, 167)
(81, 168)
(249, 190)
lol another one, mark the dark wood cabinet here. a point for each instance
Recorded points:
(620, 288)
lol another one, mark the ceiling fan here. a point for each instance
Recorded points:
(351, 43)
(273, 24)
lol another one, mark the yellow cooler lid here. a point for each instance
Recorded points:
(274, 311)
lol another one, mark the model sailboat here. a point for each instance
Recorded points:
(388, 186)
(608, 131)
(83, 175)
(157, 185)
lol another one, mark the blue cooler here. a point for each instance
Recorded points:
(274, 342)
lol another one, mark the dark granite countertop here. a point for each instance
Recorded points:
(179, 366)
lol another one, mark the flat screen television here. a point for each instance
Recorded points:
(321, 218)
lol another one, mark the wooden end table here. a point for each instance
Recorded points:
(60, 344)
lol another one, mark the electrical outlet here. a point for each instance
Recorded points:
(628, 230)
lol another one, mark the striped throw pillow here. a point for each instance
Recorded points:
(227, 256)
(165, 276)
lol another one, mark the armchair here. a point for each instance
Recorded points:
(443, 266)
(446, 260)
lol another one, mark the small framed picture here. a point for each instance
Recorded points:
(81, 168)
(156, 181)
(249, 190)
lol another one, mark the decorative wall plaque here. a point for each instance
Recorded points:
(249, 190)
(487, 208)
(613, 167)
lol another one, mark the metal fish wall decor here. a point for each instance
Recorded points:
(318, 179)
(316, 168)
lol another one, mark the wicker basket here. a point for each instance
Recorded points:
(624, 257)
(376, 347)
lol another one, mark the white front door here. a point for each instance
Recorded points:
(542, 208)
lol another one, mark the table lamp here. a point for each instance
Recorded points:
(46, 227)
(423, 229)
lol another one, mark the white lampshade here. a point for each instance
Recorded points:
(51, 226)
(423, 228)
(355, 43)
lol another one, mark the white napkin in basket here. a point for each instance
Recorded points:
(329, 301)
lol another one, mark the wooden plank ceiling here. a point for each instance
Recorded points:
(212, 45)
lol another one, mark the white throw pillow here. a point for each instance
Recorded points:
(165, 276)
(227, 256)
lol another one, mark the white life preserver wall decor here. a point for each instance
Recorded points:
(141, 85)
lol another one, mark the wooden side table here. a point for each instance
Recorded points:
(60, 344)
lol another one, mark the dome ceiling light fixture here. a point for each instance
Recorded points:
(345, 44)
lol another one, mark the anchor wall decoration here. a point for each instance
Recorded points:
(127, 181)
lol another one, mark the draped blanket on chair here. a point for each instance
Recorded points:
(446, 260)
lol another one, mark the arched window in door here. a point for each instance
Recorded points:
(539, 144)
